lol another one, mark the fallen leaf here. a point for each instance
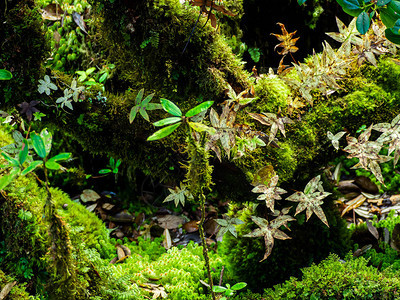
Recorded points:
(89, 196)
(170, 221)
(167, 243)
(78, 19)
(190, 226)
(52, 12)
(6, 289)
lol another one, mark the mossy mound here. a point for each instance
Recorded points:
(337, 279)
(25, 243)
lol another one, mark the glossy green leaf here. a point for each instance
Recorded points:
(394, 38)
(32, 166)
(52, 162)
(199, 108)
(390, 14)
(5, 180)
(218, 289)
(382, 2)
(396, 27)
(199, 127)
(23, 154)
(351, 7)
(105, 171)
(47, 140)
(118, 163)
(14, 162)
(167, 121)
(163, 132)
(170, 107)
(5, 75)
(301, 2)
(239, 286)
(90, 70)
(38, 145)
(363, 23)
(103, 78)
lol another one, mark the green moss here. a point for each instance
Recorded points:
(310, 242)
(336, 279)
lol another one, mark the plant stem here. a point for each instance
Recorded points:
(203, 242)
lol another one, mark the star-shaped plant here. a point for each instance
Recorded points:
(367, 152)
(65, 100)
(178, 195)
(311, 199)
(28, 108)
(225, 132)
(390, 135)
(238, 100)
(270, 193)
(335, 138)
(142, 105)
(270, 230)
(76, 90)
(228, 224)
(275, 121)
(46, 85)
(287, 42)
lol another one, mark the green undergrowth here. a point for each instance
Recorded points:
(334, 278)
(17, 292)
(24, 242)
(310, 242)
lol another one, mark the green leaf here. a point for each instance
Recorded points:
(351, 7)
(382, 2)
(23, 154)
(144, 114)
(139, 97)
(103, 78)
(301, 2)
(47, 139)
(363, 23)
(239, 286)
(146, 100)
(199, 108)
(52, 162)
(38, 145)
(167, 121)
(170, 107)
(11, 160)
(163, 132)
(218, 289)
(132, 114)
(396, 27)
(118, 163)
(5, 75)
(32, 166)
(390, 14)
(394, 38)
(5, 180)
(105, 171)
(90, 70)
(201, 128)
